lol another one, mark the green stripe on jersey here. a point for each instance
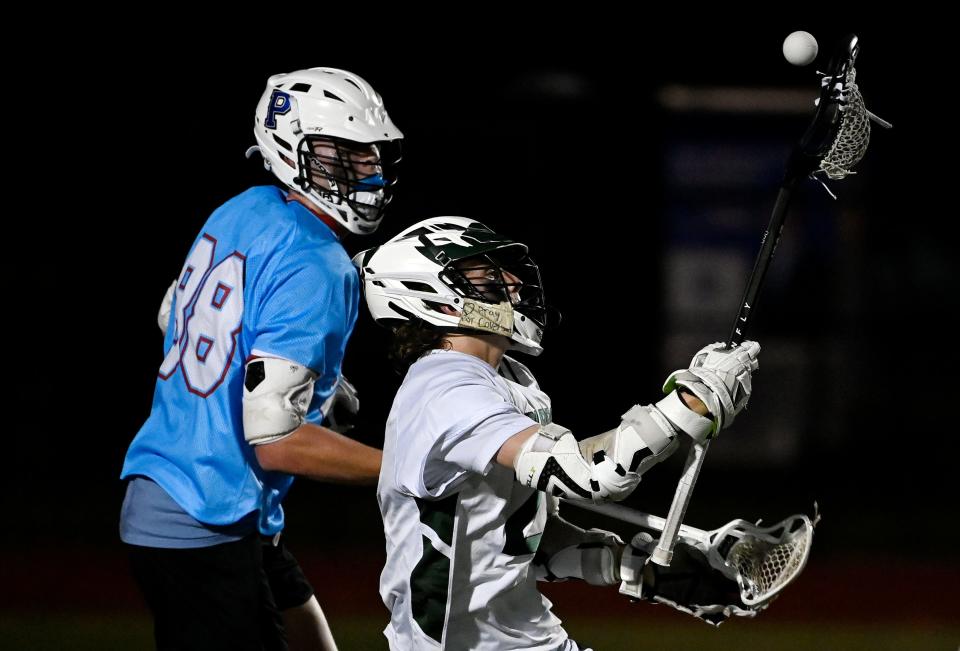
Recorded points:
(428, 591)
(431, 576)
(515, 544)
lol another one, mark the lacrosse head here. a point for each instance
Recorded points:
(838, 137)
(763, 561)
(853, 128)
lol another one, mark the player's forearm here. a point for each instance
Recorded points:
(507, 454)
(322, 454)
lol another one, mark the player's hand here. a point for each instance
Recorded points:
(720, 377)
(689, 584)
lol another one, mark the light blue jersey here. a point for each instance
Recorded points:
(265, 277)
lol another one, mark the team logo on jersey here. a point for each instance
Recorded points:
(280, 104)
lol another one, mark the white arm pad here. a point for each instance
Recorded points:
(620, 457)
(605, 467)
(567, 551)
(683, 418)
(643, 432)
(593, 561)
(276, 397)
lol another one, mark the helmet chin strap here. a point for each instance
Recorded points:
(307, 184)
(338, 228)
(488, 317)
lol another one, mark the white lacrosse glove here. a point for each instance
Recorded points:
(341, 408)
(689, 584)
(722, 379)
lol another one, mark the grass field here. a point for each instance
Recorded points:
(84, 599)
(129, 631)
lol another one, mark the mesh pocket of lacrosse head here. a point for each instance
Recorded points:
(767, 560)
(851, 142)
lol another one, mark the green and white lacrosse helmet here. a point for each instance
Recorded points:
(490, 282)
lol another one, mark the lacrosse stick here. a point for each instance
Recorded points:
(833, 144)
(762, 560)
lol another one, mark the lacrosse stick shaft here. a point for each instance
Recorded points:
(638, 518)
(815, 148)
(698, 452)
(768, 246)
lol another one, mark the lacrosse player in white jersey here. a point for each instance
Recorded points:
(473, 463)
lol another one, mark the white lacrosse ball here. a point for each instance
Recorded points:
(800, 48)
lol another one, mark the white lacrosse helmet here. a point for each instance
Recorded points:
(426, 266)
(340, 114)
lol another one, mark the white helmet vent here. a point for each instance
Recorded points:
(283, 143)
(418, 287)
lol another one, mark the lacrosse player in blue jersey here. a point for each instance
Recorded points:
(259, 318)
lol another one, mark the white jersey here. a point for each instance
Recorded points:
(461, 531)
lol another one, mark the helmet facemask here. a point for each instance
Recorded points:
(506, 280)
(361, 176)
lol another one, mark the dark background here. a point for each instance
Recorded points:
(560, 134)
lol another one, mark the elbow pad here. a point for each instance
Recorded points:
(276, 397)
(550, 461)
(604, 467)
